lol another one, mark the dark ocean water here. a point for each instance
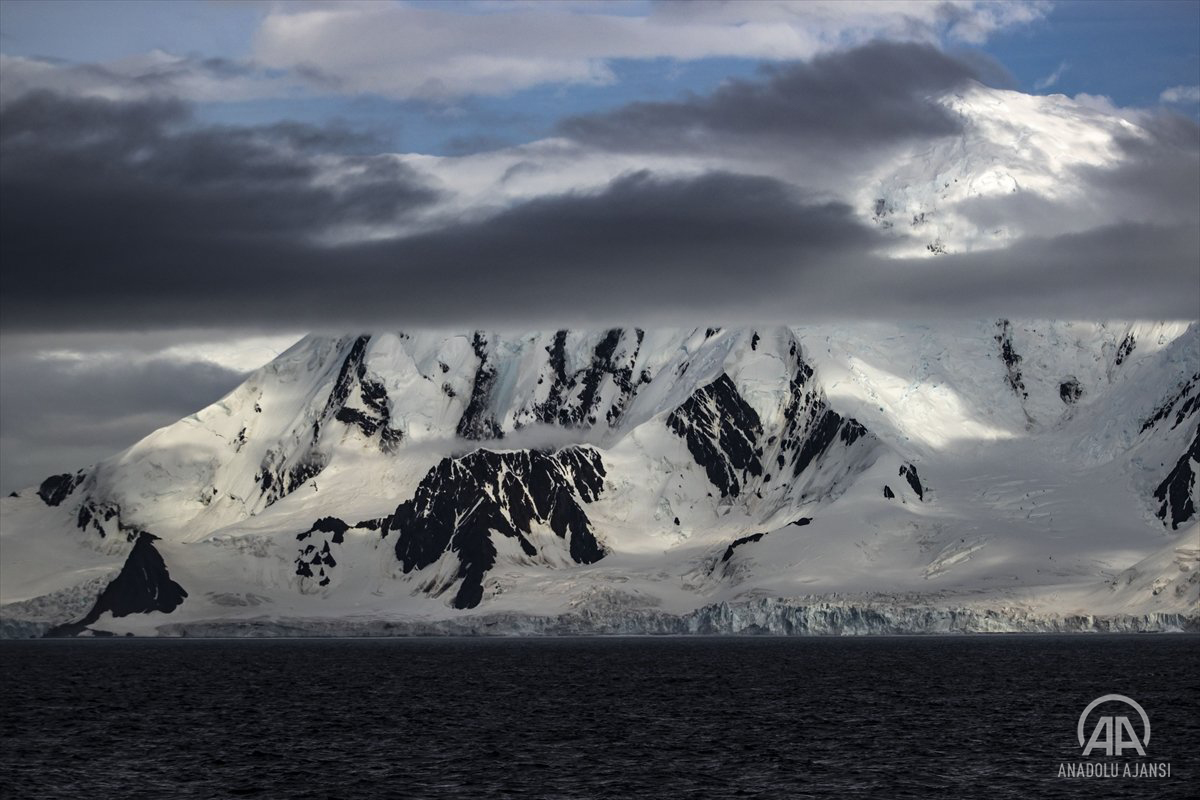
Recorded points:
(585, 718)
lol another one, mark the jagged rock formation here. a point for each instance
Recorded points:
(736, 543)
(144, 585)
(104, 518)
(573, 400)
(1178, 490)
(1125, 349)
(722, 434)
(909, 473)
(476, 423)
(1183, 403)
(320, 558)
(57, 488)
(1012, 360)
(462, 503)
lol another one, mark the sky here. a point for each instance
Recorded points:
(186, 187)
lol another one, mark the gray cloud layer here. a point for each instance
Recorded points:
(128, 203)
(876, 94)
(59, 414)
(118, 216)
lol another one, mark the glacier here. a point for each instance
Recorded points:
(858, 478)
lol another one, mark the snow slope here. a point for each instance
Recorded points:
(988, 475)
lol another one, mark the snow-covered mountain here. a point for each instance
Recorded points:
(994, 475)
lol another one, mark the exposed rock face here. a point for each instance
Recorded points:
(1178, 407)
(909, 473)
(736, 543)
(57, 488)
(1177, 491)
(143, 585)
(1010, 357)
(287, 467)
(726, 437)
(477, 421)
(320, 557)
(104, 518)
(722, 434)
(1069, 391)
(811, 426)
(374, 416)
(1125, 349)
(462, 503)
(574, 399)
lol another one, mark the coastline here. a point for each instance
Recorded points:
(764, 617)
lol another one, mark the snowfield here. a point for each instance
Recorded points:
(999, 475)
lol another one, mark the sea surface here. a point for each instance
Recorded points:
(664, 718)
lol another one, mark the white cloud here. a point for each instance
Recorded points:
(403, 51)
(1181, 95)
(485, 48)
(237, 351)
(156, 74)
(1052, 78)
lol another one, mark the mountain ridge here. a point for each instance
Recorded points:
(425, 475)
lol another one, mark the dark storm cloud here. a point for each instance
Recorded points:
(102, 198)
(1159, 173)
(644, 246)
(1121, 271)
(871, 95)
(130, 261)
(733, 249)
(129, 216)
(61, 414)
(109, 384)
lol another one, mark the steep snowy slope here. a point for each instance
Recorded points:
(1024, 473)
(949, 195)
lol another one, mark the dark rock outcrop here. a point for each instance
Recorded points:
(573, 398)
(57, 488)
(1012, 361)
(811, 426)
(375, 416)
(143, 585)
(1176, 494)
(1184, 403)
(1070, 390)
(462, 503)
(1125, 349)
(909, 473)
(477, 421)
(725, 435)
(102, 516)
(722, 433)
(314, 560)
(736, 543)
